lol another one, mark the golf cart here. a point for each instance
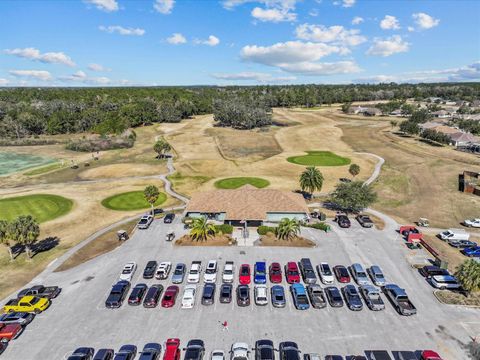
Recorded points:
(423, 222)
(170, 236)
(122, 235)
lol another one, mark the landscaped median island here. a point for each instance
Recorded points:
(132, 200)
(43, 207)
(319, 158)
(236, 182)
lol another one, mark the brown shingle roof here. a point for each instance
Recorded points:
(247, 203)
(445, 129)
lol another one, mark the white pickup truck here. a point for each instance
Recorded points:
(194, 273)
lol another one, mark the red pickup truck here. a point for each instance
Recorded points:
(9, 331)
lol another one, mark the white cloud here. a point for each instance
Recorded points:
(315, 68)
(104, 5)
(122, 30)
(388, 46)
(425, 21)
(81, 77)
(273, 10)
(335, 34)
(345, 3)
(313, 12)
(390, 22)
(176, 39)
(164, 6)
(256, 76)
(377, 79)
(410, 28)
(36, 55)
(357, 20)
(97, 67)
(273, 15)
(4, 82)
(211, 41)
(35, 74)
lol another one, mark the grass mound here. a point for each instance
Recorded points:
(319, 158)
(43, 207)
(132, 200)
(236, 182)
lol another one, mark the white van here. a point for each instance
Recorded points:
(454, 234)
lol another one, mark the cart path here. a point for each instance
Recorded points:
(378, 167)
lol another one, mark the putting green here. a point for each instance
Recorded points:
(236, 182)
(319, 158)
(132, 200)
(43, 207)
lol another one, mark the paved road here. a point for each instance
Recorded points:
(78, 316)
(378, 167)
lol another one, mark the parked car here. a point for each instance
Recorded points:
(260, 272)
(260, 294)
(317, 296)
(170, 296)
(153, 294)
(243, 295)
(430, 270)
(150, 269)
(472, 223)
(240, 351)
(217, 355)
(151, 351)
(244, 274)
(275, 273)
(333, 296)
(445, 282)
(352, 298)
(472, 252)
(407, 355)
(430, 355)
(311, 356)
(228, 272)
(208, 296)
(128, 271)
(210, 275)
(325, 273)
(299, 295)
(82, 353)
(179, 273)
(264, 350)
(104, 354)
(22, 318)
(372, 297)
(172, 349)
(364, 220)
(307, 271)
(454, 234)
(359, 274)
(291, 272)
(194, 273)
(188, 299)
(342, 220)
(126, 352)
(378, 355)
(399, 299)
(49, 292)
(226, 293)
(163, 270)
(288, 351)
(195, 350)
(462, 243)
(342, 274)
(376, 274)
(277, 294)
(144, 222)
(117, 294)
(10, 331)
(3, 346)
(137, 294)
(168, 219)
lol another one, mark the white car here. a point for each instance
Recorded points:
(163, 270)
(228, 272)
(260, 293)
(188, 299)
(210, 275)
(240, 351)
(472, 223)
(128, 271)
(444, 282)
(325, 273)
(217, 355)
(193, 276)
(145, 222)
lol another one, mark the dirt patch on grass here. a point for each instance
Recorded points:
(272, 240)
(123, 170)
(455, 298)
(101, 245)
(217, 240)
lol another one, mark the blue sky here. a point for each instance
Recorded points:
(180, 42)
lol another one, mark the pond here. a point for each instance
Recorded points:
(11, 162)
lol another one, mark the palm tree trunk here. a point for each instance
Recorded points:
(10, 252)
(28, 250)
(151, 212)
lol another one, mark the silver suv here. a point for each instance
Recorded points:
(359, 274)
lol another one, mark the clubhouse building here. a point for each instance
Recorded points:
(247, 204)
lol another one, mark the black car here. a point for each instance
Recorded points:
(462, 244)
(430, 270)
(289, 351)
(83, 353)
(333, 357)
(151, 351)
(195, 350)
(342, 220)
(126, 352)
(3, 346)
(226, 293)
(117, 294)
(150, 269)
(352, 298)
(153, 294)
(243, 295)
(334, 297)
(104, 354)
(168, 219)
(208, 296)
(264, 350)
(22, 318)
(137, 294)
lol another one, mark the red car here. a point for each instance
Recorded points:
(275, 273)
(9, 331)
(430, 355)
(170, 296)
(172, 350)
(341, 273)
(244, 274)
(291, 272)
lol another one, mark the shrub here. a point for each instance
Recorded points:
(319, 226)
(224, 229)
(264, 230)
(100, 144)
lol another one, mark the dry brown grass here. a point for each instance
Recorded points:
(123, 170)
(455, 298)
(217, 240)
(379, 223)
(271, 240)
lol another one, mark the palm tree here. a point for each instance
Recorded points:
(151, 194)
(311, 179)
(27, 231)
(288, 229)
(354, 170)
(468, 274)
(201, 229)
(6, 238)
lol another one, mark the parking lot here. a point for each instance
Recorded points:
(78, 317)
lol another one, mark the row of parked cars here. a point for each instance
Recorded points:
(344, 222)
(147, 219)
(262, 350)
(440, 278)
(460, 239)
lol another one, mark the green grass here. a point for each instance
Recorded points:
(43, 207)
(43, 169)
(236, 182)
(132, 200)
(319, 158)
